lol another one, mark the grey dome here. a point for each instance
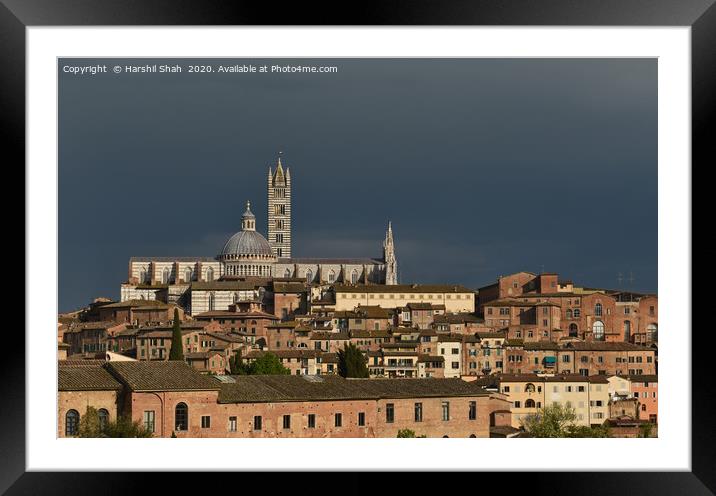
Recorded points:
(247, 243)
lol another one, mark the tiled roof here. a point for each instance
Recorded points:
(457, 318)
(289, 287)
(93, 378)
(161, 376)
(137, 303)
(604, 346)
(80, 363)
(403, 288)
(285, 388)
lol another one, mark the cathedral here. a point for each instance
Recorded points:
(248, 254)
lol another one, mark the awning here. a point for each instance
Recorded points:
(550, 359)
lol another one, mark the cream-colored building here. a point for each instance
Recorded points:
(587, 396)
(455, 298)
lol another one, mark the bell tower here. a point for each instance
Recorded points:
(279, 210)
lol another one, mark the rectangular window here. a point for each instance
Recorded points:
(286, 421)
(389, 413)
(311, 420)
(446, 410)
(257, 422)
(418, 412)
(205, 421)
(232, 424)
(361, 419)
(339, 419)
(149, 420)
(472, 413)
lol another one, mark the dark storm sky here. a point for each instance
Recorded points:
(484, 166)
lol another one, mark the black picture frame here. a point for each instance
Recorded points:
(700, 15)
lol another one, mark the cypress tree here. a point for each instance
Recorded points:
(351, 362)
(177, 351)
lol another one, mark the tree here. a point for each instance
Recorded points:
(406, 433)
(89, 423)
(267, 364)
(122, 427)
(550, 421)
(351, 362)
(176, 352)
(237, 365)
(559, 421)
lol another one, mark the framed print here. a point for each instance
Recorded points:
(302, 238)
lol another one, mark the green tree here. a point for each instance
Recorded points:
(550, 421)
(351, 362)
(122, 427)
(585, 431)
(267, 364)
(89, 423)
(559, 421)
(176, 352)
(237, 365)
(408, 433)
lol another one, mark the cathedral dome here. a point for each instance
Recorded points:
(247, 243)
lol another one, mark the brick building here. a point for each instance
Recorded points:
(172, 398)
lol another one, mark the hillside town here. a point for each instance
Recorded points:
(437, 360)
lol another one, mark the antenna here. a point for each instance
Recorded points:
(620, 278)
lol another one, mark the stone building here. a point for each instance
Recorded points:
(248, 253)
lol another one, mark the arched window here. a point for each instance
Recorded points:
(652, 331)
(165, 275)
(530, 403)
(309, 276)
(287, 273)
(573, 330)
(354, 277)
(473, 435)
(569, 313)
(103, 419)
(627, 330)
(72, 423)
(530, 388)
(577, 313)
(598, 330)
(181, 417)
(187, 275)
(331, 276)
(212, 301)
(209, 274)
(598, 310)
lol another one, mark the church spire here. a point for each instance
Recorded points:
(391, 264)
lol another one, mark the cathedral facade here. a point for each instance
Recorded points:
(248, 254)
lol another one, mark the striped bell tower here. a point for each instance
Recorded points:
(279, 210)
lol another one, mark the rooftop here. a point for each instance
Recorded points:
(285, 388)
(160, 376)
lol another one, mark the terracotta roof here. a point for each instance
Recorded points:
(80, 363)
(161, 376)
(287, 388)
(93, 378)
(137, 303)
(457, 318)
